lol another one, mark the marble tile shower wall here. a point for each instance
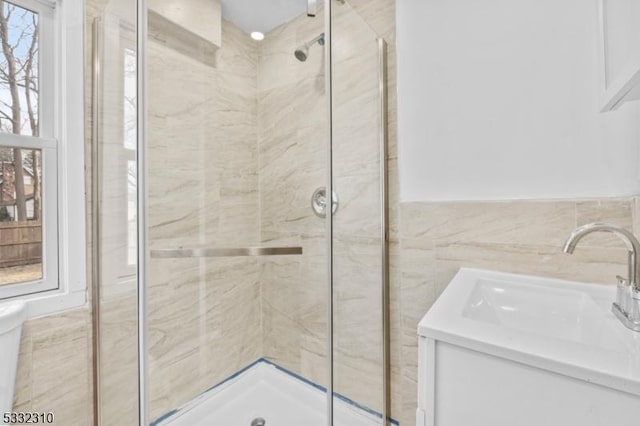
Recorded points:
(292, 157)
(292, 138)
(204, 314)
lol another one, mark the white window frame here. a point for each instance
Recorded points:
(61, 119)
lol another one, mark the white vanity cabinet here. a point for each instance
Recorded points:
(619, 35)
(509, 350)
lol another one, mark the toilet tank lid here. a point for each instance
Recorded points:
(12, 315)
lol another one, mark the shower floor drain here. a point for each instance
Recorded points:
(258, 421)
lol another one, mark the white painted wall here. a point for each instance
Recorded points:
(498, 99)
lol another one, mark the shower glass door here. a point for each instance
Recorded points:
(237, 276)
(221, 127)
(114, 214)
(360, 265)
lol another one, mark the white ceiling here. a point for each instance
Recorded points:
(262, 15)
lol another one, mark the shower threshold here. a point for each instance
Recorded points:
(270, 393)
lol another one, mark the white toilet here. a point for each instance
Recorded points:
(12, 315)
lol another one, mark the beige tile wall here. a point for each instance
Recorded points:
(204, 314)
(54, 372)
(292, 156)
(292, 135)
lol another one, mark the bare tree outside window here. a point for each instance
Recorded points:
(20, 168)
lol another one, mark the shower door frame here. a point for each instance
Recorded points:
(381, 45)
(383, 135)
(141, 208)
(142, 214)
(329, 194)
(95, 215)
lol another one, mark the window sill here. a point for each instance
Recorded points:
(52, 302)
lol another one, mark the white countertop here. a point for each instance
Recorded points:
(560, 326)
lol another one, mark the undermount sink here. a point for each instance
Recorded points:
(527, 345)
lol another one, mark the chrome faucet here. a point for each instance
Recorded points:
(627, 305)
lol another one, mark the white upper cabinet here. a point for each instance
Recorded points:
(620, 52)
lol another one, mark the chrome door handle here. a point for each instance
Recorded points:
(224, 252)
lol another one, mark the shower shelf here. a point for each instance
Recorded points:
(224, 252)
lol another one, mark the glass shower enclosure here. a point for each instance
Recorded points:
(230, 288)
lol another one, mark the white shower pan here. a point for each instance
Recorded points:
(264, 390)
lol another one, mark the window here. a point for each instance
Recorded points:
(26, 144)
(130, 121)
(41, 153)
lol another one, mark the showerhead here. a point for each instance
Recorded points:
(302, 52)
